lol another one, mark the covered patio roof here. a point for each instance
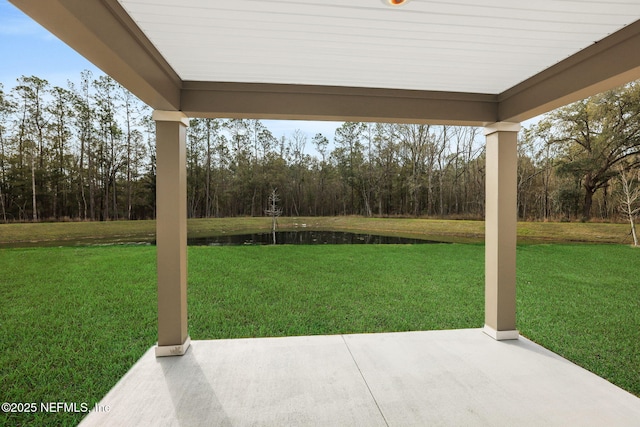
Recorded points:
(426, 61)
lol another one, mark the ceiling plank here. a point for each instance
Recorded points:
(102, 32)
(604, 65)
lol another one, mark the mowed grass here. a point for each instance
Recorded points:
(74, 320)
(458, 231)
(583, 303)
(333, 289)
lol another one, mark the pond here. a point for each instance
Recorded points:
(303, 237)
(300, 237)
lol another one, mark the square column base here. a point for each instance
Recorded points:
(173, 350)
(501, 335)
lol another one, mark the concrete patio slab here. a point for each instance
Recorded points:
(460, 377)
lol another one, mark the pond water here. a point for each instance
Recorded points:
(303, 237)
(300, 237)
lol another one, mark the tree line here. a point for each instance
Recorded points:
(87, 152)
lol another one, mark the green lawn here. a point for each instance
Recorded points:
(74, 320)
(459, 231)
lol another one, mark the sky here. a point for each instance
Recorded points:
(26, 48)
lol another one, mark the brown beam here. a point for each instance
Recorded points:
(102, 32)
(308, 102)
(604, 65)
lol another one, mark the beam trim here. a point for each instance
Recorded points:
(501, 127)
(606, 64)
(173, 350)
(309, 102)
(501, 335)
(170, 116)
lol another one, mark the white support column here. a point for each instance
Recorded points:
(501, 230)
(171, 232)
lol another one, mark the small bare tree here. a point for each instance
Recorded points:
(274, 212)
(630, 199)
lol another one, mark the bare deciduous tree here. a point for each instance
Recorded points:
(630, 198)
(274, 212)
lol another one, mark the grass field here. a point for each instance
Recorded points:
(74, 320)
(460, 231)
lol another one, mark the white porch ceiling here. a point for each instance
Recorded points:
(468, 46)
